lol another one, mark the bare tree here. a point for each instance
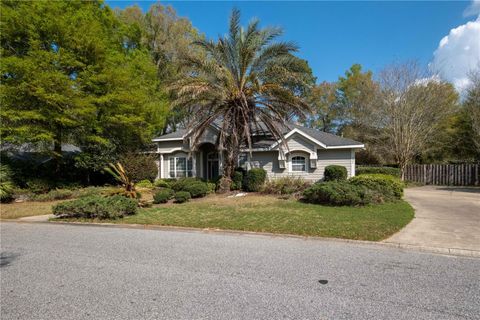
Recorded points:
(472, 104)
(408, 110)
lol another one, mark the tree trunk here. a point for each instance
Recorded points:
(57, 151)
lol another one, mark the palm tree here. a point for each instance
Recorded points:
(246, 79)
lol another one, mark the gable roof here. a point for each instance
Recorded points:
(323, 139)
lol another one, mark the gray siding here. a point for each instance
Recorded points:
(297, 142)
(269, 162)
(167, 146)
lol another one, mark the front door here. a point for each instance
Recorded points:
(212, 165)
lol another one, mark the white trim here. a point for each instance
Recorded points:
(359, 146)
(352, 163)
(174, 150)
(302, 154)
(166, 139)
(162, 166)
(288, 135)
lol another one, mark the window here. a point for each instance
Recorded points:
(180, 167)
(299, 163)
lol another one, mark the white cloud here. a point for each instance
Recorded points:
(473, 9)
(458, 53)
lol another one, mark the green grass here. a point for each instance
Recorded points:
(269, 214)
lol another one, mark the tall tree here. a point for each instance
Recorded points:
(236, 84)
(325, 109)
(409, 110)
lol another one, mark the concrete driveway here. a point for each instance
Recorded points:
(445, 217)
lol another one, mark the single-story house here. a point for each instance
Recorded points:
(309, 152)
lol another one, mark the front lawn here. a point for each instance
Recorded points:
(269, 214)
(16, 210)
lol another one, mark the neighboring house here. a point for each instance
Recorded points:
(309, 152)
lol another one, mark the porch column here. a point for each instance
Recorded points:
(194, 164)
(160, 167)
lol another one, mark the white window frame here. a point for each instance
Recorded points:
(302, 155)
(188, 167)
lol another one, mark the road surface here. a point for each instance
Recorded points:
(81, 272)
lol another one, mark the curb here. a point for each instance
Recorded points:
(437, 250)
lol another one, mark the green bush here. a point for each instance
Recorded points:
(337, 193)
(335, 173)
(386, 186)
(237, 180)
(196, 189)
(180, 184)
(38, 185)
(96, 207)
(56, 194)
(161, 183)
(6, 184)
(182, 196)
(144, 184)
(163, 195)
(378, 170)
(285, 186)
(254, 179)
(211, 186)
(139, 166)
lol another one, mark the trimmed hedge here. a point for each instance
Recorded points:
(335, 173)
(285, 186)
(96, 207)
(378, 170)
(237, 180)
(254, 179)
(182, 196)
(163, 196)
(161, 183)
(386, 186)
(337, 193)
(180, 184)
(196, 189)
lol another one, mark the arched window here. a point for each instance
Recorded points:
(299, 163)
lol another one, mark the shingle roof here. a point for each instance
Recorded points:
(328, 139)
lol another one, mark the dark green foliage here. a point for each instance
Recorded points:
(378, 170)
(254, 180)
(38, 186)
(139, 166)
(197, 189)
(163, 196)
(182, 196)
(56, 194)
(335, 173)
(180, 184)
(6, 184)
(386, 186)
(237, 180)
(337, 193)
(96, 207)
(285, 186)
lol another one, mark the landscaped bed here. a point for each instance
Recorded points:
(262, 213)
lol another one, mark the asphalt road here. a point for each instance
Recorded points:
(80, 272)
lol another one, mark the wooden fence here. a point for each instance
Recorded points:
(444, 174)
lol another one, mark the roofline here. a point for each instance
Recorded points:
(296, 130)
(167, 139)
(350, 146)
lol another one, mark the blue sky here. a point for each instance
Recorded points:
(334, 35)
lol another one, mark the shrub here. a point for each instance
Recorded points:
(237, 180)
(386, 186)
(180, 184)
(335, 173)
(211, 186)
(182, 196)
(96, 207)
(196, 189)
(139, 166)
(378, 170)
(285, 186)
(56, 194)
(255, 178)
(160, 183)
(145, 184)
(337, 193)
(6, 184)
(163, 195)
(38, 185)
